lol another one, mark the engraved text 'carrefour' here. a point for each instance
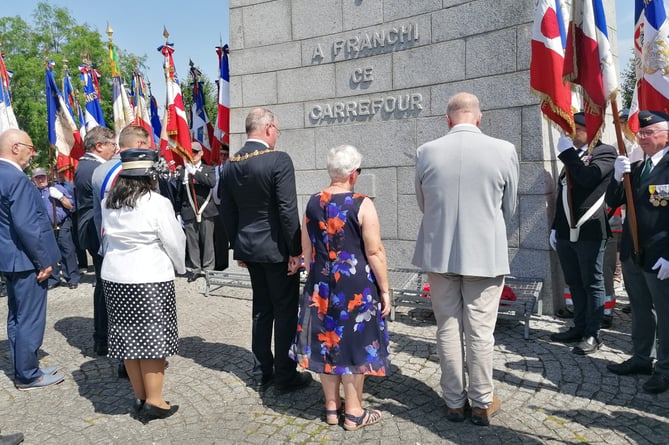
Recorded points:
(365, 108)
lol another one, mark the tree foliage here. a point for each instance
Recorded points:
(55, 35)
(627, 83)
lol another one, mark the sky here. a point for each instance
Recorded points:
(138, 29)
(196, 31)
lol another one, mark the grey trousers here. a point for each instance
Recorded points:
(200, 244)
(466, 312)
(649, 298)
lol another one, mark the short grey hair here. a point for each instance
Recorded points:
(342, 161)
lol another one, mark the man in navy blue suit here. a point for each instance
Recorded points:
(29, 253)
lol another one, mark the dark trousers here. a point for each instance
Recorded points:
(100, 319)
(26, 321)
(200, 244)
(221, 245)
(649, 298)
(275, 300)
(582, 265)
(68, 261)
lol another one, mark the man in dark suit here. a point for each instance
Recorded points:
(259, 205)
(580, 231)
(198, 212)
(646, 273)
(29, 252)
(100, 146)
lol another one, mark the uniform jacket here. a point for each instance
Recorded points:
(466, 187)
(259, 205)
(204, 180)
(652, 220)
(589, 176)
(27, 241)
(88, 236)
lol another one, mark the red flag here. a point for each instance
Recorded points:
(549, 38)
(176, 125)
(589, 63)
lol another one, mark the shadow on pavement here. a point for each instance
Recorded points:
(78, 331)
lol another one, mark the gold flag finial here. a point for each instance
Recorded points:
(110, 31)
(165, 33)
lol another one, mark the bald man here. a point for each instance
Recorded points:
(29, 254)
(466, 187)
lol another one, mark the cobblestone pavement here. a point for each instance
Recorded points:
(549, 395)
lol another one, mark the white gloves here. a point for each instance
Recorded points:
(180, 221)
(621, 166)
(190, 168)
(552, 240)
(663, 266)
(55, 193)
(564, 143)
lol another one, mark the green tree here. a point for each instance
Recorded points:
(628, 80)
(54, 35)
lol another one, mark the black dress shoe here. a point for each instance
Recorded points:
(300, 380)
(262, 384)
(587, 346)
(53, 286)
(192, 276)
(656, 384)
(630, 367)
(150, 412)
(73, 286)
(570, 336)
(100, 349)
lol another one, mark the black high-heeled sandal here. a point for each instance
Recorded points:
(329, 413)
(368, 417)
(150, 412)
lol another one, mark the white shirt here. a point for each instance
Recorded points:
(142, 245)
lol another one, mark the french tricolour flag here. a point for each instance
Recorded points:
(549, 38)
(651, 40)
(589, 62)
(222, 129)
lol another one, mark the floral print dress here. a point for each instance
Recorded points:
(340, 329)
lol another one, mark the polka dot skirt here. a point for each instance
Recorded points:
(142, 320)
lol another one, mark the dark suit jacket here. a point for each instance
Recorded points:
(203, 181)
(652, 221)
(83, 176)
(27, 241)
(259, 206)
(590, 178)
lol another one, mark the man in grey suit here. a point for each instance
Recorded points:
(466, 187)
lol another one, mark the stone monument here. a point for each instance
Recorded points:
(377, 74)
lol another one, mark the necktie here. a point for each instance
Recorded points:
(648, 166)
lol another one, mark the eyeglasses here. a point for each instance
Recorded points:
(647, 133)
(31, 147)
(278, 132)
(110, 143)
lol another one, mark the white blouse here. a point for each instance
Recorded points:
(142, 245)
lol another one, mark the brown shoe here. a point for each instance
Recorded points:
(481, 416)
(458, 414)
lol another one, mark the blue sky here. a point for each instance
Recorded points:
(138, 28)
(195, 28)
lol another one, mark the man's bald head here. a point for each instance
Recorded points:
(17, 146)
(463, 108)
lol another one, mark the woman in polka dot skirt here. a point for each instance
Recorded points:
(143, 245)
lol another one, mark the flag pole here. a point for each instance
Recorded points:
(630, 209)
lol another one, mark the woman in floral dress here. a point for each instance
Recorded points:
(342, 332)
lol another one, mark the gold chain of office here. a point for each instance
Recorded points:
(246, 156)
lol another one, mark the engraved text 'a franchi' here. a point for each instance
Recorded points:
(368, 43)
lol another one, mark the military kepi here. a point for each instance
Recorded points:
(579, 118)
(647, 118)
(138, 162)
